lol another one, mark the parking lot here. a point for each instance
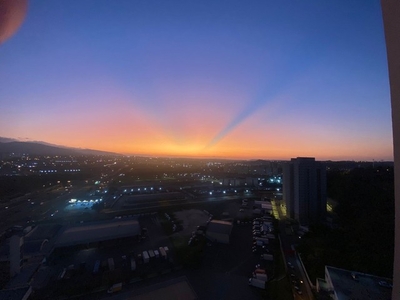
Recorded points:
(225, 269)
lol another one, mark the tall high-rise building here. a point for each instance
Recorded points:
(304, 190)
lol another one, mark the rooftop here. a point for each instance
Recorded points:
(94, 232)
(42, 232)
(218, 226)
(354, 285)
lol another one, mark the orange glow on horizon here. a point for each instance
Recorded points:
(110, 119)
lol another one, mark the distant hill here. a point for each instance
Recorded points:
(39, 148)
(7, 140)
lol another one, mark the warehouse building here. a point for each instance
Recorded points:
(219, 231)
(91, 234)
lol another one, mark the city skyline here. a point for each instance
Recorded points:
(238, 80)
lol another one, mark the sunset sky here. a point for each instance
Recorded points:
(234, 79)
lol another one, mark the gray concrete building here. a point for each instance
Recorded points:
(304, 190)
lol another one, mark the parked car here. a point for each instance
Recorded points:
(385, 284)
(354, 276)
(298, 290)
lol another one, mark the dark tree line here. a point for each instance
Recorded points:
(364, 237)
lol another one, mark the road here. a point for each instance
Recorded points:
(38, 206)
(296, 272)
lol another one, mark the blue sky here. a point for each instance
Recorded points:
(248, 79)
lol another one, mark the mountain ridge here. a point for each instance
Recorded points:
(9, 145)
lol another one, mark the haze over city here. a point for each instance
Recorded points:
(259, 79)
